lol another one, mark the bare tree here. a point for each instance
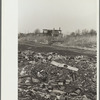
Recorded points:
(37, 31)
(92, 32)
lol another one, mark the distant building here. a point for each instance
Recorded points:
(54, 33)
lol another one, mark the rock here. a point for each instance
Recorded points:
(42, 75)
(39, 74)
(35, 80)
(50, 88)
(32, 62)
(67, 81)
(78, 91)
(28, 81)
(85, 97)
(47, 96)
(60, 83)
(58, 97)
(58, 91)
(73, 94)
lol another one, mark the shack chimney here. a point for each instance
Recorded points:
(60, 30)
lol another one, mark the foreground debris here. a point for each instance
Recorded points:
(64, 66)
(50, 76)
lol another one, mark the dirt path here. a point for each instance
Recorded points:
(57, 49)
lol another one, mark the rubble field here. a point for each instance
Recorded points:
(52, 76)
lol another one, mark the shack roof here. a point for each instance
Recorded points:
(50, 30)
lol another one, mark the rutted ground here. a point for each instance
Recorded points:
(58, 49)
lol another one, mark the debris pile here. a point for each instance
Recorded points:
(50, 76)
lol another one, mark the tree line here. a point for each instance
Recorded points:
(84, 32)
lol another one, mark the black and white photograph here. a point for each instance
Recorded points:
(57, 49)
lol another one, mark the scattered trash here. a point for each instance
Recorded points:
(72, 68)
(73, 94)
(32, 62)
(35, 80)
(51, 76)
(78, 91)
(60, 83)
(64, 66)
(58, 97)
(85, 97)
(58, 91)
(67, 81)
(57, 64)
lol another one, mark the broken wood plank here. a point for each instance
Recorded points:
(64, 66)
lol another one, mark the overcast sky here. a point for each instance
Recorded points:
(70, 15)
